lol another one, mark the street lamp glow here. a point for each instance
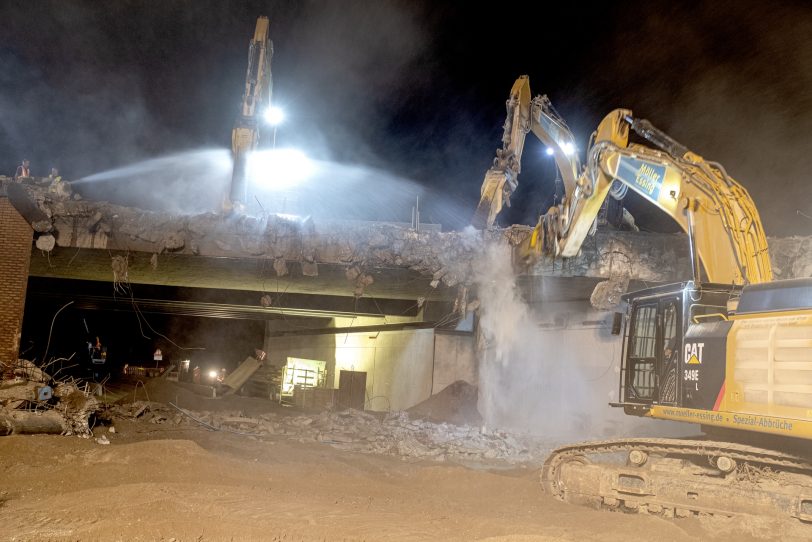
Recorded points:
(274, 116)
(549, 151)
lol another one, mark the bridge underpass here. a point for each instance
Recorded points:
(371, 297)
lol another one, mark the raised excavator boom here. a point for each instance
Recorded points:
(716, 211)
(524, 115)
(257, 96)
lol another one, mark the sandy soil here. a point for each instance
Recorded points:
(178, 482)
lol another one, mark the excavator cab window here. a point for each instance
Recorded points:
(668, 351)
(653, 351)
(641, 380)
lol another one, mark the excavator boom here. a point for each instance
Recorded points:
(257, 95)
(524, 115)
(716, 211)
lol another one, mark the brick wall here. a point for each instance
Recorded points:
(15, 254)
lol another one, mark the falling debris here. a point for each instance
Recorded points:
(120, 271)
(607, 294)
(46, 242)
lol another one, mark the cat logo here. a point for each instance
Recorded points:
(693, 353)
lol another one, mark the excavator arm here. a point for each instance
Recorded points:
(524, 115)
(258, 88)
(717, 212)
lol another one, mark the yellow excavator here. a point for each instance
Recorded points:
(729, 349)
(256, 98)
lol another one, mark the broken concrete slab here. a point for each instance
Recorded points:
(361, 248)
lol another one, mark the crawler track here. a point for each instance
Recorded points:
(677, 477)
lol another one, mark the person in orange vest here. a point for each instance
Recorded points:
(22, 171)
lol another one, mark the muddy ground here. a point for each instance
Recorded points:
(179, 481)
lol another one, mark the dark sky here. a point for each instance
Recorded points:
(413, 88)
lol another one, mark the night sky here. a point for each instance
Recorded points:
(412, 88)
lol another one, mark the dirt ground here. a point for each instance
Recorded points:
(167, 482)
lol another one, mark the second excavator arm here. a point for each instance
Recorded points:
(524, 115)
(716, 211)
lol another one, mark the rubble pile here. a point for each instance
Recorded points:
(31, 401)
(456, 404)
(398, 434)
(395, 434)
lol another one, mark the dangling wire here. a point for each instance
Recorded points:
(48, 344)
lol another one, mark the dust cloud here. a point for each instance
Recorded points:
(552, 381)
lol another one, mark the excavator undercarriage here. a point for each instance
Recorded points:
(681, 478)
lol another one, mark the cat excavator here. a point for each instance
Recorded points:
(256, 97)
(729, 348)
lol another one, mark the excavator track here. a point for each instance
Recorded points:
(681, 478)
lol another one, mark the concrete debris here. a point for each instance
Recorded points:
(34, 402)
(456, 403)
(93, 221)
(361, 282)
(280, 266)
(461, 301)
(606, 295)
(174, 241)
(153, 261)
(120, 269)
(352, 273)
(396, 434)
(791, 256)
(46, 242)
(310, 269)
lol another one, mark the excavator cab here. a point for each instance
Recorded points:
(656, 366)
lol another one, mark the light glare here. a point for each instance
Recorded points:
(278, 169)
(568, 148)
(274, 116)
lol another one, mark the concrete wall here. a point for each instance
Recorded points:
(318, 347)
(401, 366)
(15, 254)
(398, 365)
(454, 359)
